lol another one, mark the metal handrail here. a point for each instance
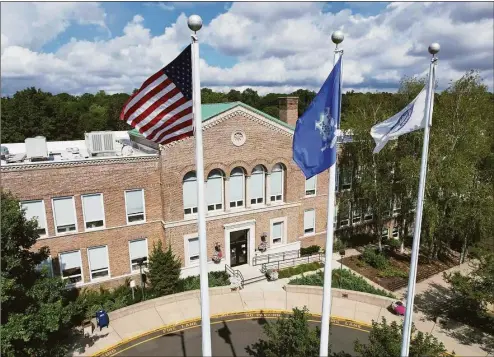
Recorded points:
(269, 257)
(236, 273)
(308, 258)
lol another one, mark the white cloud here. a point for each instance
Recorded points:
(280, 47)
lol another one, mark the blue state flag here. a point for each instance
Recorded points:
(314, 140)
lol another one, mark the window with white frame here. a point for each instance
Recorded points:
(99, 265)
(344, 215)
(277, 230)
(309, 221)
(356, 214)
(345, 181)
(36, 209)
(214, 191)
(64, 214)
(189, 190)
(257, 185)
(396, 206)
(276, 183)
(46, 267)
(396, 233)
(94, 213)
(71, 266)
(368, 214)
(385, 232)
(310, 186)
(237, 187)
(134, 201)
(138, 249)
(193, 250)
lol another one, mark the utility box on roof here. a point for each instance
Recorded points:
(36, 148)
(99, 142)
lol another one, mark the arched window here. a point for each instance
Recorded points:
(276, 184)
(257, 185)
(237, 187)
(214, 191)
(190, 193)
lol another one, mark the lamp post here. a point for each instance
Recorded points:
(342, 254)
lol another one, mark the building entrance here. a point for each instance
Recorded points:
(238, 247)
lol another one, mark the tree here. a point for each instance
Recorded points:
(38, 312)
(289, 336)
(385, 341)
(164, 270)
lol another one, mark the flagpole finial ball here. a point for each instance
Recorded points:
(194, 22)
(337, 37)
(434, 48)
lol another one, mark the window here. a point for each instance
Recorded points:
(193, 250)
(276, 183)
(309, 222)
(190, 193)
(214, 191)
(337, 177)
(134, 202)
(277, 233)
(396, 206)
(94, 213)
(64, 214)
(98, 262)
(396, 233)
(368, 215)
(138, 249)
(36, 209)
(344, 215)
(345, 180)
(71, 266)
(356, 214)
(335, 219)
(310, 186)
(237, 187)
(385, 232)
(256, 185)
(46, 267)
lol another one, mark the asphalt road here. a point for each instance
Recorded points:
(229, 338)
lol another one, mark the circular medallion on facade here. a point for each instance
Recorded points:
(238, 138)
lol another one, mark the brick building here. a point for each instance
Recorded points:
(98, 213)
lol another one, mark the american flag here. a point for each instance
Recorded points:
(162, 108)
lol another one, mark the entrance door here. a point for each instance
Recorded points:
(238, 247)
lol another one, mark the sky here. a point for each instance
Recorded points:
(85, 47)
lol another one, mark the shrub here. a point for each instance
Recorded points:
(346, 278)
(338, 245)
(164, 270)
(375, 259)
(392, 272)
(310, 250)
(288, 272)
(216, 278)
(394, 244)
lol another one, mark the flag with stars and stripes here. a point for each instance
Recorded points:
(161, 110)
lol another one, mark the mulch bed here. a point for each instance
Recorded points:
(401, 262)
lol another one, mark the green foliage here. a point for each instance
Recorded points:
(310, 250)
(375, 259)
(343, 279)
(385, 341)
(216, 278)
(289, 336)
(164, 270)
(393, 272)
(38, 312)
(339, 245)
(299, 269)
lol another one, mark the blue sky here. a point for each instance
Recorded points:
(278, 47)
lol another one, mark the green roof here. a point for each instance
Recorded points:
(211, 110)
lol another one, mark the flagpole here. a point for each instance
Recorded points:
(412, 277)
(195, 23)
(337, 37)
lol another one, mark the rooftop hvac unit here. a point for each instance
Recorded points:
(98, 142)
(36, 148)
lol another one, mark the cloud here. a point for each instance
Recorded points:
(279, 47)
(162, 5)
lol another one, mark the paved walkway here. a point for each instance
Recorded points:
(143, 317)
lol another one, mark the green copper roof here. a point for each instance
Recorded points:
(211, 110)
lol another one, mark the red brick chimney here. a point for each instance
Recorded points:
(288, 107)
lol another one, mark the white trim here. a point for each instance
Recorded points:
(102, 208)
(143, 206)
(55, 215)
(223, 215)
(244, 193)
(147, 251)
(44, 212)
(222, 200)
(250, 225)
(283, 172)
(284, 233)
(187, 237)
(81, 266)
(89, 262)
(315, 187)
(263, 185)
(314, 222)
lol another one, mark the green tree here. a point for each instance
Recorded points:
(385, 341)
(164, 270)
(289, 336)
(38, 312)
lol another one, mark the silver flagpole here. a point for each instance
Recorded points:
(337, 37)
(195, 23)
(412, 277)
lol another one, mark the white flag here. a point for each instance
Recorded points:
(411, 118)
